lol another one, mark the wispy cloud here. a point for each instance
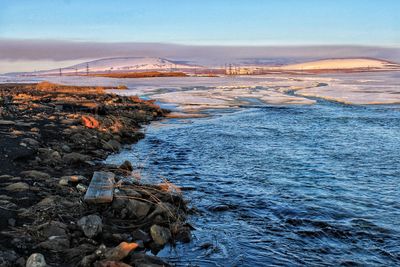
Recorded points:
(63, 51)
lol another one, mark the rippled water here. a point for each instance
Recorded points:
(300, 185)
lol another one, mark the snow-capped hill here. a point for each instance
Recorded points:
(345, 63)
(120, 64)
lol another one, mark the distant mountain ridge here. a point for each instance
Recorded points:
(150, 64)
(118, 64)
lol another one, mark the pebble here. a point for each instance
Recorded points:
(81, 188)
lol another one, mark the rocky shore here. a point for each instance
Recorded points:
(53, 140)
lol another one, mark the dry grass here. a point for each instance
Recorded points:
(53, 87)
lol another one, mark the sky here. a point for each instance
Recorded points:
(207, 23)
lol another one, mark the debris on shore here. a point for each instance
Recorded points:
(59, 204)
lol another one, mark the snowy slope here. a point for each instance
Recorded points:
(350, 63)
(122, 64)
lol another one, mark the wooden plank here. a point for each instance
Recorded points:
(100, 188)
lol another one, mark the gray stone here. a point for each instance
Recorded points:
(127, 165)
(91, 225)
(55, 243)
(131, 208)
(36, 260)
(112, 145)
(35, 174)
(31, 142)
(75, 158)
(137, 208)
(101, 188)
(6, 123)
(139, 234)
(7, 258)
(66, 148)
(63, 181)
(20, 186)
(161, 235)
(54, 228)
(81, 188)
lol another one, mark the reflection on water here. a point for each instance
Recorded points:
(299, 185)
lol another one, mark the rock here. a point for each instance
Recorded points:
(74, 157)
(112, 145)
(74, 178)
(88, 260)
(55, 243)
(91, 225)
(63, 181)
(131, 208)
(120, 251)
(20, 262)
(106, 263)
(20, 186)
(12, 222)
(75, 254)
(36, 260)
(139, 234)
(161, 235)
(5, 177)
(7, 258)
(47, 201)
(127, 165)
(181, 232)
(81, 188)
(137, 208)
(6, 123)
(101, 188)
(145, 260)
(66, 148)
(35, 174)
(49, 156)
(90, 122)
(53, 228)
(130, 192)
(30, 141)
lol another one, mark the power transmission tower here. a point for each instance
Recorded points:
(60, 72)
(87, 69)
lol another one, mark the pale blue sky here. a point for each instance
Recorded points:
(205, 22)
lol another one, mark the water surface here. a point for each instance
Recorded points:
(300, 185)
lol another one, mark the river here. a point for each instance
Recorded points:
(299, 185)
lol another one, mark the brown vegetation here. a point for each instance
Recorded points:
(53, 87)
